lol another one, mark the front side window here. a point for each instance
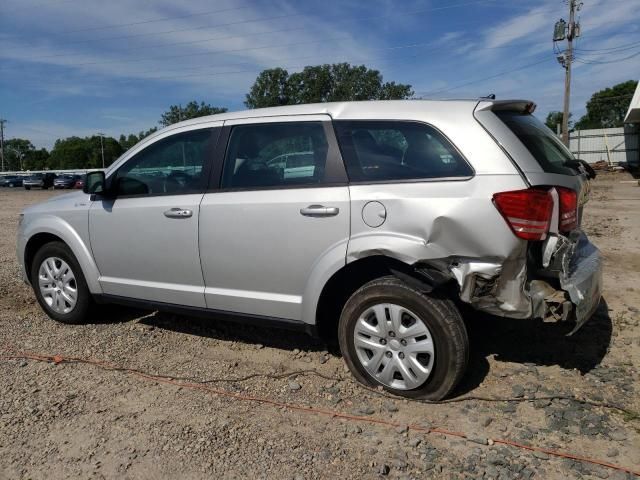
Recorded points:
(172, 166)
(395, 150)
(278, 154)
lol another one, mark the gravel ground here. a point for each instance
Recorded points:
(76, 420)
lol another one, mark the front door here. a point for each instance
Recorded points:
(145, 238)
(281, 213)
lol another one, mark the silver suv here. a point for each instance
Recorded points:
(371, 222)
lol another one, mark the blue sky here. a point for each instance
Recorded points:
(77, 67)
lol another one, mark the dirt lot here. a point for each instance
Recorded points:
(76, 420)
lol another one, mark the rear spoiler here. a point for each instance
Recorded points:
(523, 106)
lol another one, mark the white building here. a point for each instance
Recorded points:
(633, 114)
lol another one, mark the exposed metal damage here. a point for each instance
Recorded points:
(510, 289)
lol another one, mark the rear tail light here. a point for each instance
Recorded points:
(568, 209)
(528, 212)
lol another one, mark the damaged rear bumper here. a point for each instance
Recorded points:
(567, 287)
(581, 278)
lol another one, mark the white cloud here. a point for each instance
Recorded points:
(451, 52)
(226, 58)
(519, 27)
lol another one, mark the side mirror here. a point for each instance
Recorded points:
(94, 183)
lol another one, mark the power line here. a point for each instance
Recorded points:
(290, 67)
(275, 17)
(283, 59)
(163, 57)
(172, 44)
(603, 62)
(360, 57)
(627, 46)
(237, 50)
(146, 22)
(38, 5)
(521, 67)
(213, 53)
(606, 99)
(279, 59)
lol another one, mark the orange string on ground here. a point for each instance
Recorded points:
(57, 359)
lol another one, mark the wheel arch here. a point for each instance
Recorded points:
(346, 280)
(42, 233)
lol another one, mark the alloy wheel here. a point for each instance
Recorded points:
(57, 285)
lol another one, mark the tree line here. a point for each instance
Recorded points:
(86, 152)
(322, 83)
(275, 87)
(605, 109)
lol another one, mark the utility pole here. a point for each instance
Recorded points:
(566, 31)
(2, 122)
(102, 147)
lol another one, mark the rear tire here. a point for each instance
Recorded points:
(27, 188)
(418, 349)
(59, 284)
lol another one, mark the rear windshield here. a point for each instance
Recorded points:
(543, 145)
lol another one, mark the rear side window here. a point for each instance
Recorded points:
(544, 146)
(279, 154)
(392, 150)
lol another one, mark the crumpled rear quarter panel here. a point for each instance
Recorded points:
(454, 223)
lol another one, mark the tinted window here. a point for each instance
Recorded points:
(397, 151)
(174, 165)
(280, 154)
(545, 147)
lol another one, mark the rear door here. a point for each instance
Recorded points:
(280, 208)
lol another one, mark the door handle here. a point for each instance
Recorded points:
(319, 211)
(178, 212)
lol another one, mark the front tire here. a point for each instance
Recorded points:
(410, 343)
(59, 284)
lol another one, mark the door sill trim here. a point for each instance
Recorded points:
(237, 317)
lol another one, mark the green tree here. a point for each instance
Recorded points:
(112, 150)
(36, 159)
(126, 142)
(146, 133)
(76, 152)
(270, 89)
(177, 113)
(322, 83)
(555, 118)
(72, 152)
(607, 108)
(16, 150)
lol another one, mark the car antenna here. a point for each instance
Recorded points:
(491, 96)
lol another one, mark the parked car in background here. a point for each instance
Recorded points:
(11, 181)
(66, 181)
(79, 183)
(368, 223)
(39, 180)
